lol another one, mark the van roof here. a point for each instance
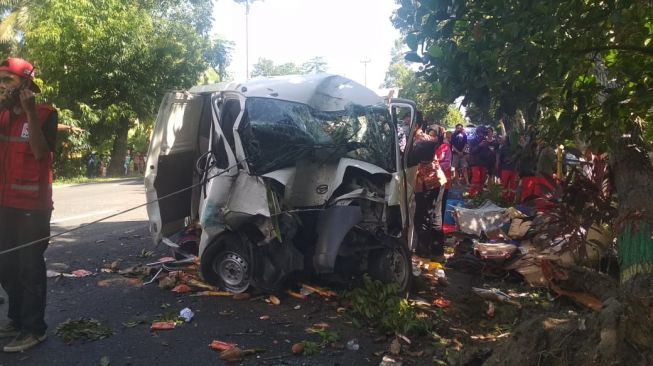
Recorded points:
(325, 92)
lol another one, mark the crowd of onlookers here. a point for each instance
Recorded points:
(472, 159)
(97, 165)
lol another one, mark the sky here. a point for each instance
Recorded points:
(343, 32)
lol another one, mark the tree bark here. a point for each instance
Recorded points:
(119, 150)
(633, 179)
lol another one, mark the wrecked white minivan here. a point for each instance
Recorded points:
(296, 174)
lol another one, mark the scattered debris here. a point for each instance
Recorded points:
(495, 295)
(222, 346)
(389, 361)
(83, 329)
(199, 284)
(213, 293)
(236, 354)
(298, 348)
(145, 253)
(353, 345)
(133, 323)
(182, 289)
(395, 347)
(168, 325)
(242, 296)
(296, 295)
(104, 361)
(167, 282)
(320, 291)
(273, 300)
(187, 314)
(264, 317)
(442, 303)
(120, 281)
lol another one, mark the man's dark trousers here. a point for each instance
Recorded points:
(22, 273)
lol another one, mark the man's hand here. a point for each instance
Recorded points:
(27, 100)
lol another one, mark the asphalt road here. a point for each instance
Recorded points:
(113, 301)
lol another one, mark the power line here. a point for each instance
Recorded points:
(34, 242)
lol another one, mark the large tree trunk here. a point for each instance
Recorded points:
(633, 179)
(119, 150)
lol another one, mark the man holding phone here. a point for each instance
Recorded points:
(27, 142)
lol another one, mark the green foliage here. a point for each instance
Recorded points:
(494, 193)
(311, 348)
(379, 305)
(315, 65)
(578, 68)
(219, 56)
(84, 329)
(401, 75)
(266, 67)
(110, 62)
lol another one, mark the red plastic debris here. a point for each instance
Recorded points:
(442, 303)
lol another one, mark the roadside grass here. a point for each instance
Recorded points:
(85, 180)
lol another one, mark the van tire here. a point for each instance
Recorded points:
(391, 265)
(226, 263)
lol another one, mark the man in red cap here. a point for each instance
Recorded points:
(27, 142)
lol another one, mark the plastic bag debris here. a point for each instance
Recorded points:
(389, 361)
(187, 314)
(353, 345)
(495, 295)
(81, 273)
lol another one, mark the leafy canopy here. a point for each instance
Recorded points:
(577, 67)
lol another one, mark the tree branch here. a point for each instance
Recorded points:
(636, 49)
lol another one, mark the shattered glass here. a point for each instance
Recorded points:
(276, 134)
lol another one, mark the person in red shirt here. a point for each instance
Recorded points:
(27, 143)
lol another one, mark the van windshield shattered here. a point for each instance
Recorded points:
(276, 134)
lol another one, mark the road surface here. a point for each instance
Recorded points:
(113, 301)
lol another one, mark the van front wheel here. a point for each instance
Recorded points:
(226, 263)
(391, 265)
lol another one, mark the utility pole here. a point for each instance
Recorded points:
(246, 39)
(365, 62)
(246, 2)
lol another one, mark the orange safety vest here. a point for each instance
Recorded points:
(25, 183)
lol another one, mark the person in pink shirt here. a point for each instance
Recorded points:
(444, 156)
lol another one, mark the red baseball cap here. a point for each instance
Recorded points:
(21, 68)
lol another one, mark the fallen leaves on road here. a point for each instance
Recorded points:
(296, 295)
(237, 354)
(133, 323)
(117, 281)
(212, 293)
(395, 347)
(320, 291)
(242, 296)
(273, 300)
(84, 329)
